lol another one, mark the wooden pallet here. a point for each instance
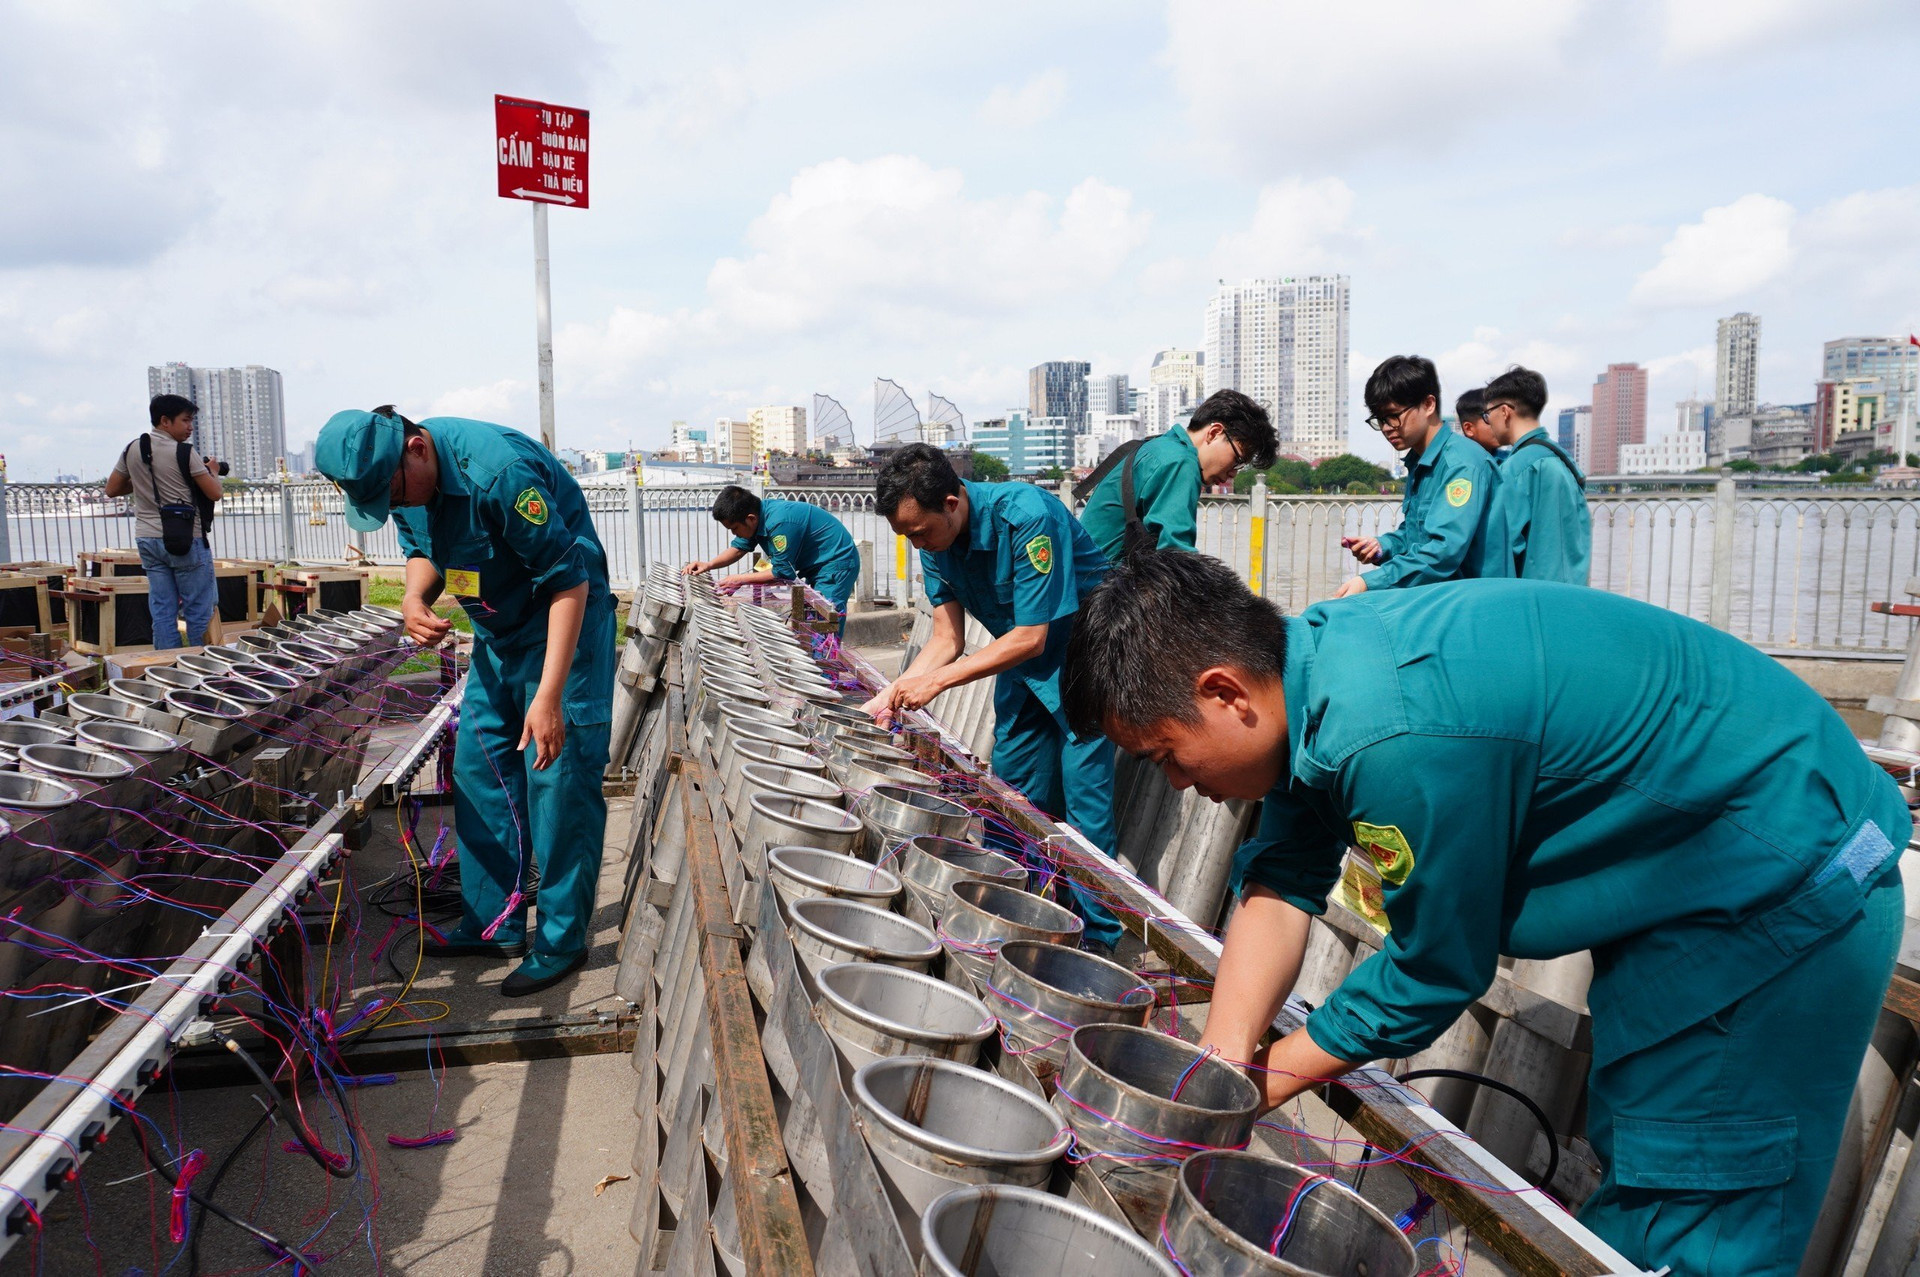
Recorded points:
(319, 589)
(94, 563)
(24, 601)
(55, 575)
(109, 614)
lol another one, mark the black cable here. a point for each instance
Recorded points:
(266, 1238)
(1481, 1079)
(213, 1185)
(322, 1158)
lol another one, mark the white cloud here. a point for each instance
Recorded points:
(1298, 226)
(1275, 80)
(1729, 253)
(495, 401)
(1022, 107)
(1695, 29)
(892, 238)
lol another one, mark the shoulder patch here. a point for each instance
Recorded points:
(532, 506)
(1459, 492)
(1386, 848)
(1040, 554)
(779, 543)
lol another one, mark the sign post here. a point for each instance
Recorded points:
(541, 154)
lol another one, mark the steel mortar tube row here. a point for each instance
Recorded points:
(28, 1180)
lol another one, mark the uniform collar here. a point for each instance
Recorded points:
(453, 475)
(1541, 431)
(1185, 439)
(1432, 450)
(976, 515)
(1295, 676)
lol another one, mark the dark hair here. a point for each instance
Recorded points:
(1158, 619)
(407, 428)
(1524, 388)
(1402, 381)
(920, 471)
(165, 407)
(1470, 406)
(1246, 422)
(735, 504)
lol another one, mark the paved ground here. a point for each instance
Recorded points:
(514, 1194)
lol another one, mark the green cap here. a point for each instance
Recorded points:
(360, 451)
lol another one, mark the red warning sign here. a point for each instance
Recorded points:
(541, 151)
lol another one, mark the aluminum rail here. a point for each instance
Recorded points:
(102, 1094)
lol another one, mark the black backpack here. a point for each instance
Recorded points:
(176, 521)
(1139, 533)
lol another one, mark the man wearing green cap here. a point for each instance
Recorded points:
(486, 514)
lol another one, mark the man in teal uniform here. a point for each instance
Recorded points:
(1450, 523)
(1535, 769)
(1228, 431)
(488, 515)
(1011, 556)
(1543, 495)
(799, 539)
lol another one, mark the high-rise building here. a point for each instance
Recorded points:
(1058, 388)
(735, 440)
(242, 418)
(1283, 343)
(1693, 415)
(1027, 444)
(698, 444)
(1175, 385)
(1574, 433)
(1108, 395)
(1619, 414)
(779, 428)
(1737, 365)
(1894, 363)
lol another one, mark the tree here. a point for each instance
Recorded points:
(1053, 474)
(1359, 489)
(1848, 476)
(988, 468)
(1335, 473)
(1820, 462)
(1742, 465)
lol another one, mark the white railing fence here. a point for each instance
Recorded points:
(1798, 572)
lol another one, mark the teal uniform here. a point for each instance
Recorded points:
(1166, 491)
(1536, 769)
(1023, 560)
(1543, 498)
(508, 511)
(1451, 525)
(802, 540)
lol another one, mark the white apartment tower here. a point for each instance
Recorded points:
(1736, 365)
(779, 428)
(1283, 343)
(242, 419)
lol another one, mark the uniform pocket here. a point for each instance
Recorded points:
(1705, 1156)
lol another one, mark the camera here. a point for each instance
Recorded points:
(223, 468)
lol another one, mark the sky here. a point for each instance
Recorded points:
(789, 199)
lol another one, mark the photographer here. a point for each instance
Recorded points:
(173, 489)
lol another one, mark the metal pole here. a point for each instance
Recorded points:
(6, 542)
(1257, 536)
(286, 524)
(1720, 598)
(543, 319)
(637, 538)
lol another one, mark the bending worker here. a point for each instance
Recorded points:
(489, 516)
(1450, 523)
(1639, 784)
(800, 540)
(1010, 555)
(1155, 486)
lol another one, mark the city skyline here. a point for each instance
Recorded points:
(760, 235)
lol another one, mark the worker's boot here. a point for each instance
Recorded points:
(507, 942)
(541, 971)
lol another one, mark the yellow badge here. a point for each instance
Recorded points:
(780, 543)
(463, 583)
(1387, 848)
(1459, 492)
(1360, 891)
(532, 506)
(1040, 554)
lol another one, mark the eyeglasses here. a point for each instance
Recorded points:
(1379, 422)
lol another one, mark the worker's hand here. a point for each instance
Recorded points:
(915, 690)
(546, 730)
(880, 708)
(695, 568)
(1365, 549)
(728, 584)
(1356, 586)
(423, 627)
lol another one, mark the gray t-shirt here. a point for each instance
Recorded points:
(172, 489)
